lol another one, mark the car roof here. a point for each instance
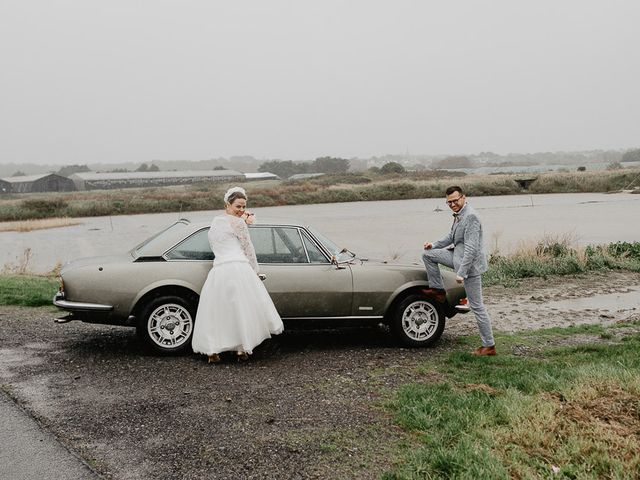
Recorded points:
(260, 221)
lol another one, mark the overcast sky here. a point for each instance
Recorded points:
(85, 81)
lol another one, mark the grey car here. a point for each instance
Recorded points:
(155, 287)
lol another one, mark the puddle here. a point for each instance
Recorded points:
(611, 302)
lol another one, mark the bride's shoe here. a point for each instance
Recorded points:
(214, 358)
(243, 356)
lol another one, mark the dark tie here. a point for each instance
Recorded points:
(455, 220)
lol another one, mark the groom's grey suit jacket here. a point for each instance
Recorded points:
(469, 256)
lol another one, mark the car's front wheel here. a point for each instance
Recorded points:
(166, 324)
(418, 321)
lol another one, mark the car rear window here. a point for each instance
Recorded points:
(148, 247)
(195, 247)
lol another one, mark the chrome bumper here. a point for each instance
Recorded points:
(59, 301)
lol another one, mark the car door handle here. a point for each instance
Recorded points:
(262, 276)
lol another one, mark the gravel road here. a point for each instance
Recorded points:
(307, 405)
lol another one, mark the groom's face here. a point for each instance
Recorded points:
(455, 201)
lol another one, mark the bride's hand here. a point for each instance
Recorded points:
(248, 217)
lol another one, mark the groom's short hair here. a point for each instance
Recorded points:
(452, 189)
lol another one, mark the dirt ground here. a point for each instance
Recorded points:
(307, 405)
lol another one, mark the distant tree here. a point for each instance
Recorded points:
(456, 161)
(631, 155)
(154, 168)
(219, 167)
(374, 169)
(284, 168)
(19, 174)
(582, 169)
(71, 169)
(118, 170)
(615, 166)
(142, 168)
(392, 167)
(330, 165)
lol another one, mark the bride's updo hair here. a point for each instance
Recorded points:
(233, 194)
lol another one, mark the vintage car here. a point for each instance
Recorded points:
(155, 287)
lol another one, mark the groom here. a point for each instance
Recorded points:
(462, 249)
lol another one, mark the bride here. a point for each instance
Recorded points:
(235, 312)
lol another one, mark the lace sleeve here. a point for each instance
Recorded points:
(241, 231)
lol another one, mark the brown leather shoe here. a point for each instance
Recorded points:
(438, 294)
(485, 351)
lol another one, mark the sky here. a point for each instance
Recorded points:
(87, 81)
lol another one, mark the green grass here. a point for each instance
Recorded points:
(571, 408)
(27, 290)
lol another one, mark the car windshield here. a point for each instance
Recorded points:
(341, 254)
(149, 244)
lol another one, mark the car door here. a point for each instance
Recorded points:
(301, 280)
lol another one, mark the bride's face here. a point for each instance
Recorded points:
(237, 207)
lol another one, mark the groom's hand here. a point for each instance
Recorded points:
(459, 279)
(428, 245)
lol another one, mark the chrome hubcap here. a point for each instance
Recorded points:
(170, 325)
(419, 320)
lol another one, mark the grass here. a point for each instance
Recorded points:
(27, 290)
(350, 187)
(555, 255)
(569, 412)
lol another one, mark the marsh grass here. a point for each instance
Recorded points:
(558, 255)
(350, 187)
(570, 412)
(30, 225)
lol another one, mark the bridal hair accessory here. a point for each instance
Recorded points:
(233, 190)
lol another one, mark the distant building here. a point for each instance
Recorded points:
(46, 182)
(261, 176)
(106, 181)
(5, 187)
(303, 176)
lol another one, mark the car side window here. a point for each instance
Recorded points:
(315, 254)
(195, 247)
(278, 245)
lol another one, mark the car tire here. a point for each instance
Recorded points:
(418, 321)
(166, 324)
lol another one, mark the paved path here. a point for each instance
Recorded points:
(28, 452)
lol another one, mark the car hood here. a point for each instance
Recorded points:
(97, 261)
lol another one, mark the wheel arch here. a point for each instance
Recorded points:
(400, 294)
(161, 291)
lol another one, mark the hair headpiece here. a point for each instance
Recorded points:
(233, 190)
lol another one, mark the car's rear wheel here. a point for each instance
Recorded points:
(166, 324)
(418, 321)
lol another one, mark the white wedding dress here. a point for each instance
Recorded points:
(235, 312)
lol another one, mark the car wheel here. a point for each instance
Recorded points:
(166, 324)
(418, 321)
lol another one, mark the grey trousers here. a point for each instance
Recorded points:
(472, 285)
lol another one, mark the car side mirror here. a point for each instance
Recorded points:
(334, 261)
